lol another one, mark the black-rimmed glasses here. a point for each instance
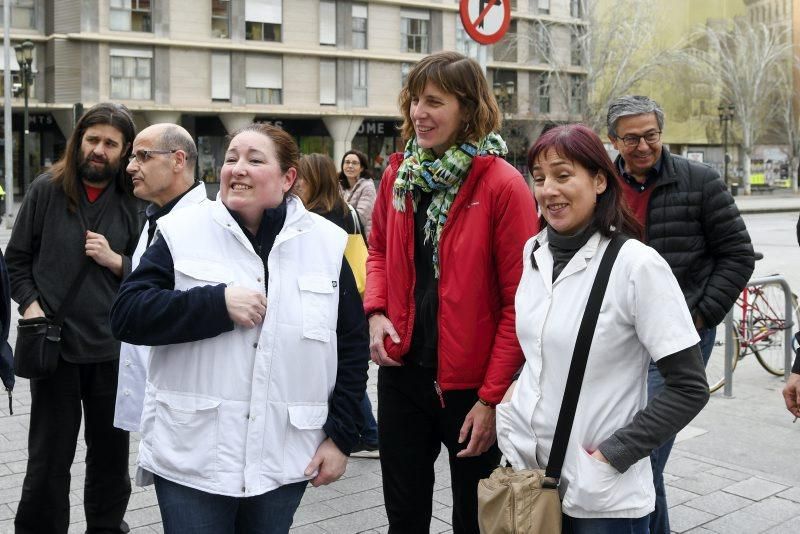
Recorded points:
(650, 138)
(142, 156)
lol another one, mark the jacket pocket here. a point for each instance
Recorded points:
(316, 296)
(303, 436)
(185, 435)
(599, 487)
(195, 273)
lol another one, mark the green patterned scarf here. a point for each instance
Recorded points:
(422, 171)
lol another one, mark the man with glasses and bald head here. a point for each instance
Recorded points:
(690, 218)
(161, 166)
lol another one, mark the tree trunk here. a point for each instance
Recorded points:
(746, 174)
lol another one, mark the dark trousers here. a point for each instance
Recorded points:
(55, 421)
(412, 426)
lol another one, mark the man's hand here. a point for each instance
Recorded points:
(597, 455)
(33, 310)
(379, 327)
(328, 462)
(791, 394)
(99, 250)
(480, 420)
(246, 307)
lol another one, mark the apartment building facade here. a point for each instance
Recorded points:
(329, 72)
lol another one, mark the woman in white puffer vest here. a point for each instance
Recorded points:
(258, 337)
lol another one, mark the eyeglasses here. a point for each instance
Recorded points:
(650, 138)
(143, 156)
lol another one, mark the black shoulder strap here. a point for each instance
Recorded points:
(581, 353)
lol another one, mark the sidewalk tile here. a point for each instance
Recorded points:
(740, 522)
(322, 493)
(358, 483)
(676, 496)
(683, 518)
(775, 508)
(719, 503)
(682, 467)
(312, 513)
(444, 496)
(755, 488)
(699, 530)
(724, 472)
(791, 526)
(353, 523)
(701, 483)
(358, 501)
(306, 529)
(793, 494)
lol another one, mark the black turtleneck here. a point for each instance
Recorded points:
(563, 247)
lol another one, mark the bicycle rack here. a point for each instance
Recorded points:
(787, 341)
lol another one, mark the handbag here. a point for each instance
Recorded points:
(38, 339)
(527, 500)
(356, 253)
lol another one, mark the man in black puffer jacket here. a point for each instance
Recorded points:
(692, 221)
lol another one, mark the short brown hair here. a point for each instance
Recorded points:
(319, 173)
(459, 75)
(286, 149)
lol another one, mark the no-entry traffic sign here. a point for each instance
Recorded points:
(486, 21)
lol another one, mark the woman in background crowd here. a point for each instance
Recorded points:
(358, 189)
(316, 186)
(606, 479)
(449, 224)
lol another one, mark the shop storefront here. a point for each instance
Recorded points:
(46, 144)
(378, 139)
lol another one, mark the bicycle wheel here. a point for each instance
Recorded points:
(715, 369)
(767, 324)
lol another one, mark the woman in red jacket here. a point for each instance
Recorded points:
(448, 228)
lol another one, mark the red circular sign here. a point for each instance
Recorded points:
(486, 21)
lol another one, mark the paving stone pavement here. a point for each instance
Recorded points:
(734, 470)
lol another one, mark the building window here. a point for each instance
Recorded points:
(414, 30)
(131, 73)
(506, 48)
(327, 82)
(327, 22)
(262, 20)
(360, 26)
(576, 49)
(130, 15)
(540, 45)
(465, 44)
(576, 8)
(23, 15)
(540, 7)
(264, 79)
(577, 94)
(543, 92)
(360, 83)
(221, 76)
(221, 19)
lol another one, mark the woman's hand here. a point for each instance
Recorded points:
(33, 310)
(379, 327)
(480, 420)
(328, 462)
(246, 307)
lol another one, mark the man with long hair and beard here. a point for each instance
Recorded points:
(78, 224)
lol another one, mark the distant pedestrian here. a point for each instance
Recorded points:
(449, 223)
(605, 479)
(78, 215)
(690, 218)
(357, 186)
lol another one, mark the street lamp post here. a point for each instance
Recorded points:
(504, 94)
(725, 116)
(24, 54)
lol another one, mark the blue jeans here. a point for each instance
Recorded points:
(659, 519)
(186, 510)
(573, 525)
(370, 432)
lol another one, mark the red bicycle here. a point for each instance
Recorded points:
(759, 327)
